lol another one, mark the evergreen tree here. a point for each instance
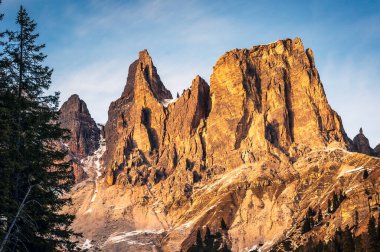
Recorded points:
(199, 241)
(225, 248)
(320, 217)
(310, 245)
(338, 240)
(6, 103)
(7, 206)
(309, 223)
(372, 234)
(198, 246)
(348, 243)
(378, 231)
(365, 174)
(335, 202)
(342, 196)
(177, 95)
(356, 218)
(358, 243)
(306, 226)
(208, 240)
(287, 245)
(329, 206)
(38, 177)
(223, 225)
(320, 247)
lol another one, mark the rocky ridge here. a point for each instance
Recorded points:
(256, 148)
(276, 104)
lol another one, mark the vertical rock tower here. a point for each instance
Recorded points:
(268, 98)
(84, 133)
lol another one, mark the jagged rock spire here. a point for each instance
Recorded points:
(145, 67)
(84, 132)
(360, 143)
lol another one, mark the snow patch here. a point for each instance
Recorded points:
(262, 246)
(166, 102)
(229, 177)
(350, 189)
(130, 237)
(184, 226)
(88, 211)
(93, 162)
(139, 243)
(355, 170)
(358, 169)
(87, 244)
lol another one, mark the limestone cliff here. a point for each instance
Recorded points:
(266, 99)
(245, 157)
(275, 101)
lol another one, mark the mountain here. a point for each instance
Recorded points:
(243, 161)
(84, 133)
(376, 150)
(360, 144)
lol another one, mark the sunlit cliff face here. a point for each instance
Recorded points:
(256, 149)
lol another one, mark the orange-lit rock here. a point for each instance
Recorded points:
(268, 97)
(256, 148)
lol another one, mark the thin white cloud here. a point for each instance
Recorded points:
(92, 54)
(100, 67)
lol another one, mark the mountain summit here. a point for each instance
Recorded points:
(243, 163)
(142, 75)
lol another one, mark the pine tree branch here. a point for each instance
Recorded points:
(15, 219)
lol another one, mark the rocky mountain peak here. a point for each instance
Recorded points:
(376, 150)
(360, 143)
(142, 76)
(84, 132)
(145, 58)
(276, 102)
(197, 82)
(75, 104)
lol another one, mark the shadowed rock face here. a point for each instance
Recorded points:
(361, 144)
(256, 148)
(83, 130)
(84, 133)
(376, 150)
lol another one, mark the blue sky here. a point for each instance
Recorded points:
(90, 45)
